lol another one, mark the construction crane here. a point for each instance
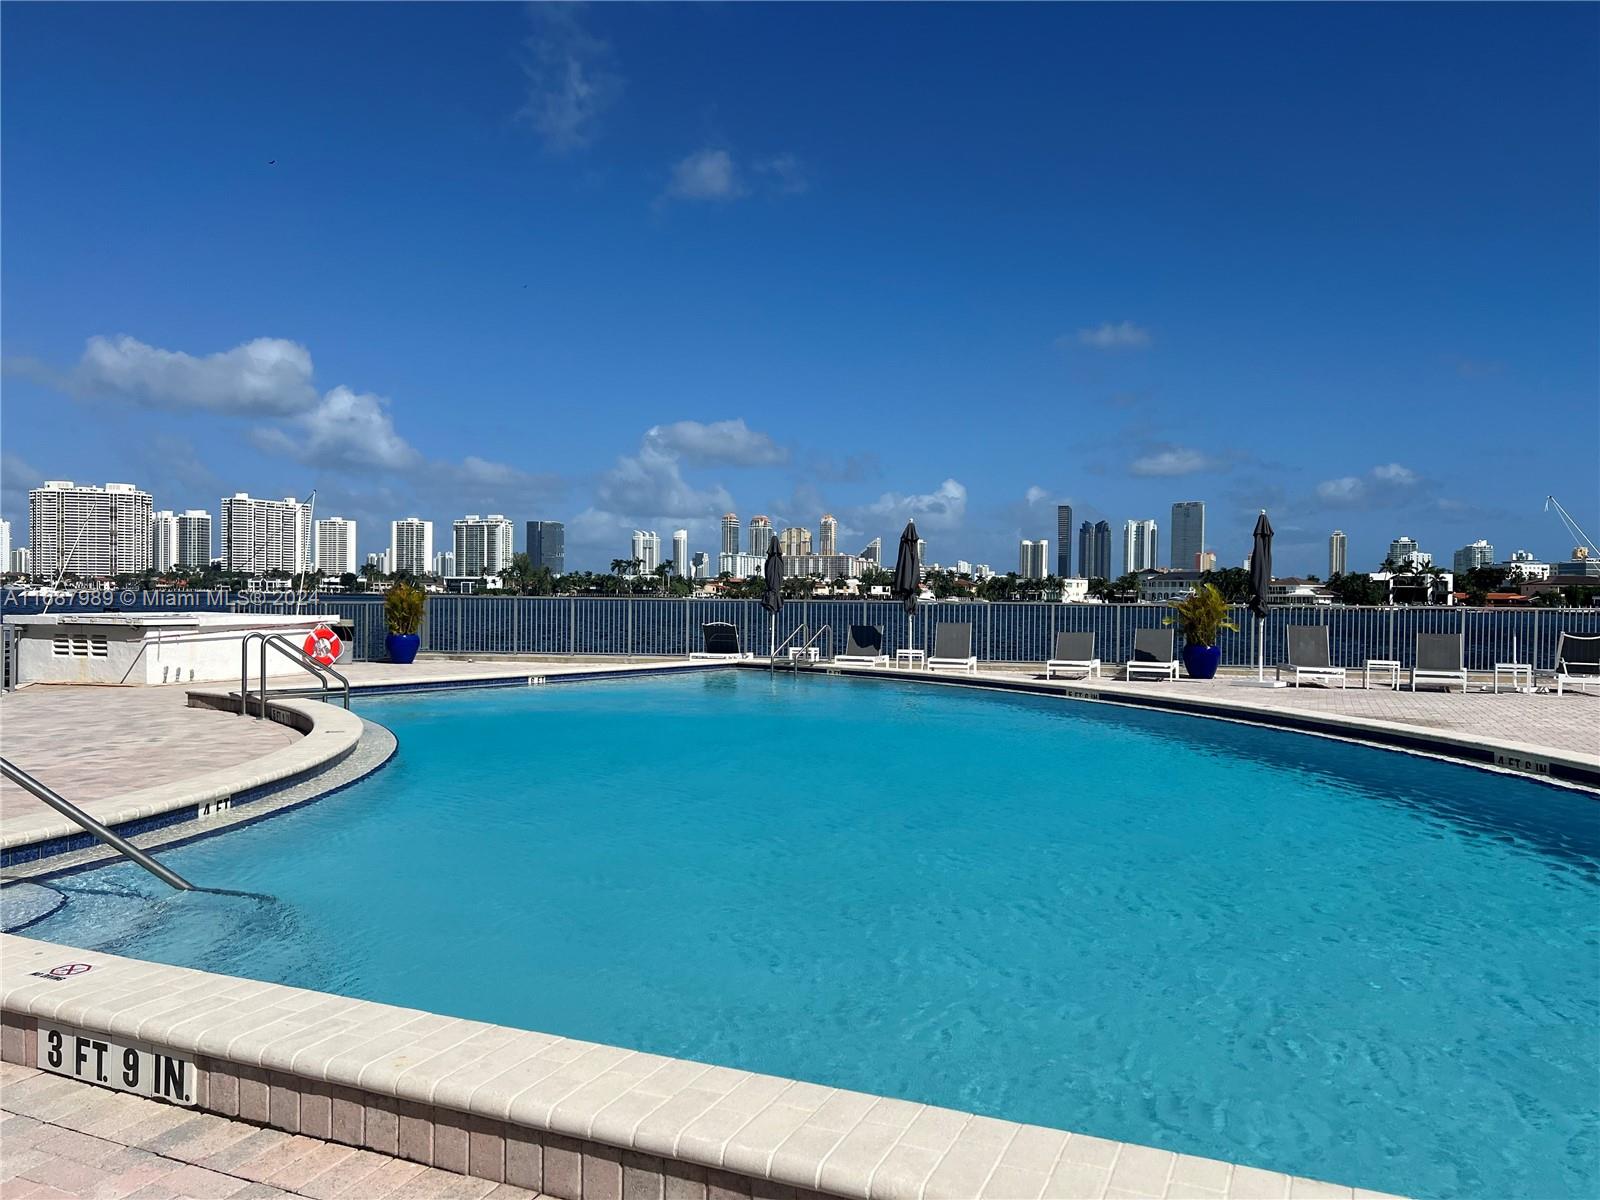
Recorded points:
(1572, 526)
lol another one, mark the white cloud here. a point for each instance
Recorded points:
(571, 79)
(1171, 460)
(784, 173)
(1035, 494)
(1384, 485)
(649, 484)
(345, 429)
(706, 175)
(1123, 335)
(264, 377)
(943, 508)
(704, 444)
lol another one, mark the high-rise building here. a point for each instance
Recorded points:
(1206, 560)
(1338, 553)
(89, 531)
(1031, 558)
(265, 535)
(647, 550)
(482, 545)
(873, 552)
(1064, 541)
(21, 561)
(163, 540)
(680, 552)
(828, 541)
(336, 546)
(730, 533)
(411, 545)
(1139, 542)
(194, 539)
(1094, 550)
(700, 566)
(547, 546)
(1188, 533)
(794, 540)
(444, 564)
(1479, 554)
(922, 559)
(1404, 550)
(760, 535)
(5, 544)
(740, 566)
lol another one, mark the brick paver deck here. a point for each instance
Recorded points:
(96, 744)
(62, 1138)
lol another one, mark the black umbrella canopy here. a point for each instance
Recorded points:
(772, 572)
(1260, 565)
(907, 585)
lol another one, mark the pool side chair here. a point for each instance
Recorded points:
(1577, 661)
(863, 647)
(1152, 656)
(1440, 658)
(1309, 658)
(952, 647)
(1074, 653)
(721, 642)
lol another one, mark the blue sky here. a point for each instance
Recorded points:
(631, 265)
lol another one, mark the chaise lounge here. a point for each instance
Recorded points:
(721, 641)
(1074, 652)
(1577, 661)
(1440, 658)
(1309, 657)
(952, 647)
(1152, 655)
(863, 647)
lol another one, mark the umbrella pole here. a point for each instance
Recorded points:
(772, 639)
(1261, 649)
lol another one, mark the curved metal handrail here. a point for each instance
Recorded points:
(825, 630)
(798, 630)
(89, 825)
(296, 655)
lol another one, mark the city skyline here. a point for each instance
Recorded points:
(728, 294)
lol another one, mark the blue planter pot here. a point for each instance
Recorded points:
(403, 647)
(1201, 662)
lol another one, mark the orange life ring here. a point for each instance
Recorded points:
(323, 646)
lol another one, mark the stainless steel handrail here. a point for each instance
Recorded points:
(799, 629)
(291, 652)
(826, 629)
(75, 814)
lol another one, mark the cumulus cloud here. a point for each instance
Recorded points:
(705, 175)
(1122, 335)
(726, 442)
(345, 429)
(1383, 485)
(264, 377)
(943, 508)
(650, 484)
(571, 78)
(1172, 460)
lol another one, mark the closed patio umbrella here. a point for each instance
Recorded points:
(1260, 582)
(907, 584)
(772, 596)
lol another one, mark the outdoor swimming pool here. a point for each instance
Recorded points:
(1334, 961)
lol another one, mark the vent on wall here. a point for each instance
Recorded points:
(76, 645)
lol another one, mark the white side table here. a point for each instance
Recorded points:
(804, 654)
(1381, 667)
(1517, 671)
(910, 659)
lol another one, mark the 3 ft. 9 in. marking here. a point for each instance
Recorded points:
(94, 1059)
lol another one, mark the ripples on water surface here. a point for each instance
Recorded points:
(1339, 962)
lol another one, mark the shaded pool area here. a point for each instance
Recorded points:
(1277, 950)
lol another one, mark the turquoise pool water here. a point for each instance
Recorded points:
(1340, 962)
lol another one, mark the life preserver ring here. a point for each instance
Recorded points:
(323, 646)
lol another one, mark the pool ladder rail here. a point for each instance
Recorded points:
(295, 655)
(89, 825)
(806, 651)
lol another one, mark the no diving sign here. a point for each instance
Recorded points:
(64, 971)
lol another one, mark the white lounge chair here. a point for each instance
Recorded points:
(721, 642)
(1440, 658)
(952, 647)
(863, 647)
(1074, 652)
(1152, 655)
(1309, 658)
(1577, 661)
